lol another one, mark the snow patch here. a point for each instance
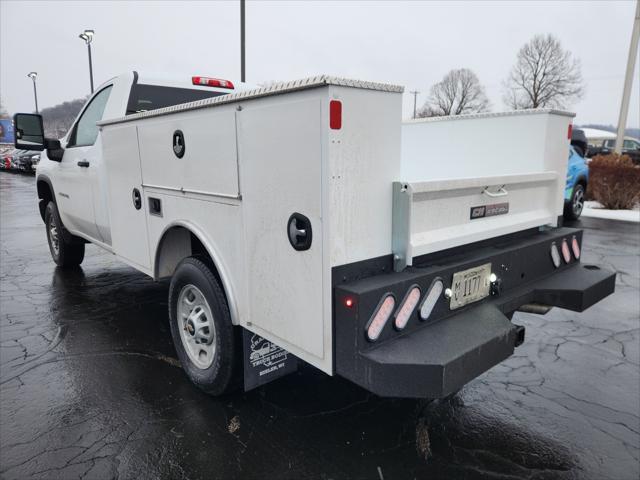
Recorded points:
(595, 209)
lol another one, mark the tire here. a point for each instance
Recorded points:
(66, 250)
(573, 208)
(203, 335)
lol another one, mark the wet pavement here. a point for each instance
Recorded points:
(90, 386)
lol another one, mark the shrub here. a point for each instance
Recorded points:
(614, 181)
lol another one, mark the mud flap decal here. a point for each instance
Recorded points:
(264, 361)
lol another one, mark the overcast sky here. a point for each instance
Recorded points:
(410, 43)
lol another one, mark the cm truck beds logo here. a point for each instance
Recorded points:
(489, 210)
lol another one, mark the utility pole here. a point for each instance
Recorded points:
(242, 71)
(628, 80)
(415, 99)
(87, 36)
(32, 76)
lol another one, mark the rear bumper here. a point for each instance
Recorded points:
(434, 358)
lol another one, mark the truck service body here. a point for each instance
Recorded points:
(306, 217)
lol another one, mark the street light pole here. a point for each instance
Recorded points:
(242, 71)
(87, 36)
(33, 76)
(628, 80)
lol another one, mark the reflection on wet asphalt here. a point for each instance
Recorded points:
(90, 387)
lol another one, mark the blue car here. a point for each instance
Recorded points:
(577, 177)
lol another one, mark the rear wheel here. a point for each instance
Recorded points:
(66, 249)
(573, 208)
(201, 327)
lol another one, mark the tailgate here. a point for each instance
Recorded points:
(440, 214)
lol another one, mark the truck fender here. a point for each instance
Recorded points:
(43, 194)
(215, 257)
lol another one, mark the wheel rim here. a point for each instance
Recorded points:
(196, 326)
(54, 239)
(578, 201)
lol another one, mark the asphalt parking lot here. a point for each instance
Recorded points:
(90, 386)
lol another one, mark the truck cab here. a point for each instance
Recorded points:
(80, 180)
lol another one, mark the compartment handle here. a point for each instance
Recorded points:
(500, 193)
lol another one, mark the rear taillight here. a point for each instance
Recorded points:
(408, 306)
(575, 246)
(555, 255)
(566, 253)
(431, 298)
(212, 82)
(570, 131)
(380, 317)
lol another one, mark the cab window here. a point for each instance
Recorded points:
(630, 145)
(86, 131)
(144, 98)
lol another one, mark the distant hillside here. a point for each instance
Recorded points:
(630, 132)
(58, 119)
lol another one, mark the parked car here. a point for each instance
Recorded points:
(26, 161)
(7, 159)
(630, 146)
(576, 186)
(579, 141)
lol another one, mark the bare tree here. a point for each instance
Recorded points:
(545, 75)
(457, 93)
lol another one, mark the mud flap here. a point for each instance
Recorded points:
(264, 361)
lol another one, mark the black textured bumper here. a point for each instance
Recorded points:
(434, 358)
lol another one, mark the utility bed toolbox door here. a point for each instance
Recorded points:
(440, 214)
(127, 204)
(280, 156)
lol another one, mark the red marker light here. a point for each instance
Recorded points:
(335, 115)
(348, 302)
(570, 131)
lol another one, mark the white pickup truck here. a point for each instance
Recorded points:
(305, 221)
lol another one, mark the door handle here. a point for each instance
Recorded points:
(83, 163)
(137, 199)
(299, 231)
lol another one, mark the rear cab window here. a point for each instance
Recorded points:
(144, 98)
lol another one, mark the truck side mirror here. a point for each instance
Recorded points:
(29, 133)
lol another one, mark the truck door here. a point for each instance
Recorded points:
(77, 176)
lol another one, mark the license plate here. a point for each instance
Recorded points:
(470, 286)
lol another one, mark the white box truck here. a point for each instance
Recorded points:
(305, 221)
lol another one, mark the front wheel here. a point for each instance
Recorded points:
(201, 328)
(573, 208)
(66, 250)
